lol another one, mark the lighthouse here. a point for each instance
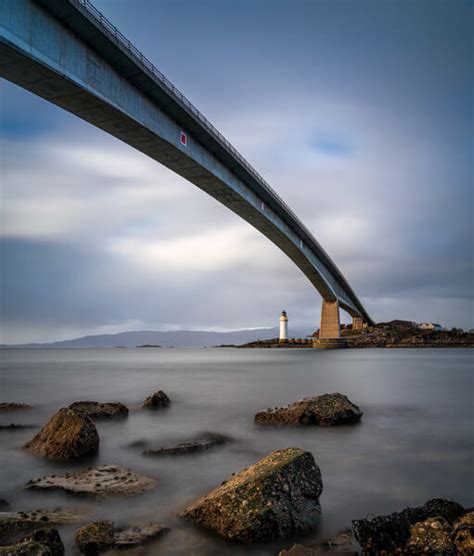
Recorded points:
(283, 327)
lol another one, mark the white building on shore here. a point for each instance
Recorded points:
(283, 327)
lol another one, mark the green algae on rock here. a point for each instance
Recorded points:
(68, 435)
(324, 410)
(275, 498)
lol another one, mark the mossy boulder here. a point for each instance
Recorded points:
(68, 435)
(324, 410)
(44, 542)
(157, 400)
(273, 499)
(101, 410)
(102, 536)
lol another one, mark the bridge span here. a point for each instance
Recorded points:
(68, 53)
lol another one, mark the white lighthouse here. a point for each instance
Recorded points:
(283, 327)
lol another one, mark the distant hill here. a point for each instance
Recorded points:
(177, 338)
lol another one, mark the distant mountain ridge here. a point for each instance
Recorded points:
(176, 338)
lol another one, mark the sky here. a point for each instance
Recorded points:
(358, 113)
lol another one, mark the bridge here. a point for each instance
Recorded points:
(68, 53)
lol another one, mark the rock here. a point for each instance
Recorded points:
(464, 534)
(99, 481)
(340, 545)
(390, 534)
(206, 442)
(273, 499)
(101, 410)
(44, 542)
(343, 543)
(157, 400)
(68, 435)
(328, 409)
(15, 427)
(432, 536)
(299, 550)
(15, 524)
(4, 505)
(102, 536)
(13, 406)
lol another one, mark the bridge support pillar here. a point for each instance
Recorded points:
(330, 329)
(357, 323)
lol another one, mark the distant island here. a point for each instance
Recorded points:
(393, 334)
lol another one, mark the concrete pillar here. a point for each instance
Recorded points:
(357, 323)
(330, 324)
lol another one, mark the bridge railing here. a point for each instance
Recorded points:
(142, 60)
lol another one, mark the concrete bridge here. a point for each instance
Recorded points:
(68, 53)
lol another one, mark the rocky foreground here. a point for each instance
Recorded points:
(273, 499)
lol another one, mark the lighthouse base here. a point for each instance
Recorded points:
(329, 343)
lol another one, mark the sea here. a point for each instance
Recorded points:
(414, 442)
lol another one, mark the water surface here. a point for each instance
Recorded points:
(414, 441)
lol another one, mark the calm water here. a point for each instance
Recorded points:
(414, 442)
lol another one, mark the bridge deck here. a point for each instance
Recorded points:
(69, 53)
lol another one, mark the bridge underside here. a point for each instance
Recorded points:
(54, 49)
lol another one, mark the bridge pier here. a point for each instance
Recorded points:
(357, 323)
(330, 329)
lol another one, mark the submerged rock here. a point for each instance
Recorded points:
(15, 427)
(342, 544)
(99, 481)
(392, 533)
(68, 435)
(13, 406)
(274, 498)
(464, 534)
(205, 442)
(101, 410)
(44, 542)
(157, 400)
(102, 536)
(15, 524)
(327, 409)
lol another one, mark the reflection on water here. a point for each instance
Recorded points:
(414, 441)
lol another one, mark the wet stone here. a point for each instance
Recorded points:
(432, 536)
(273, 499)
(157, 400)
(205, 442)
(13, 406)
(324, 410)
(99, 481)
(464, 534)
(15, 524)
(391, 533)
(68, 435)
(101, 410)
(43, 542)
(102, 536)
